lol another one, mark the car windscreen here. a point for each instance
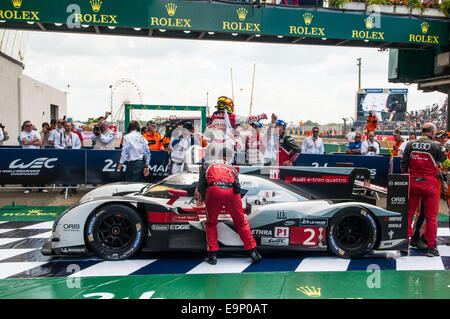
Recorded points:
(184, 181)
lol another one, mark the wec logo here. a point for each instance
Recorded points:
(38, 163)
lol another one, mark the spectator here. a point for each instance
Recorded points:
(3, 134)
(254, 145)
(398, 141)
(67, 139)
(57, 129)
(354, 148)
(30, 140)
(371, 146)
(313, 144)
(351, 135)
(80, 136)
(136, 153)
(45, 134)
(166, 140)
(153, 137)
(103, 137)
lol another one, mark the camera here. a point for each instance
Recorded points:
(68, 147)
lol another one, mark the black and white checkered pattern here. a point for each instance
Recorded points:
(21, 242)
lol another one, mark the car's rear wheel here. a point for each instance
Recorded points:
(352, 233)
(115, 232)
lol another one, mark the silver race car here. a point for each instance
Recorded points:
(288, 208)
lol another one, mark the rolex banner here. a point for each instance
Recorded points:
(210, 17)
(19, 166)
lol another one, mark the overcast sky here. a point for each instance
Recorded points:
(297, 82)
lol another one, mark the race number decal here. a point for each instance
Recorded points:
(307, 236)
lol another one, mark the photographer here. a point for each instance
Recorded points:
(67, 139)
(103, 137)
(370, 147)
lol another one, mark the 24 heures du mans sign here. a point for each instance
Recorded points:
(230, 18)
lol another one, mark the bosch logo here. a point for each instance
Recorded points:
(36, 164)
(421, 146)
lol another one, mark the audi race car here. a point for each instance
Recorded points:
(288, 208)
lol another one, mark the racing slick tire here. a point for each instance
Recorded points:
(352, 233)
(115, 232)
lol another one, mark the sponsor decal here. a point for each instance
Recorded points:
(319, 222)
(323, 179)
(96, 6)
(307, 29)
(289, 223)
(393, 219)
(398, 200)
(180, 227)
(170, 21)
(17, 14)
(307, 236)
(157, 227)
(33, 168)
(270, 241)
(424, 38)
(73, 250)
(71, 227)
(394, 225)
(368, 34)
(261, 232)
(310, 291)
(274, 173)
(241, 25)
(281, 215)
(281, 232)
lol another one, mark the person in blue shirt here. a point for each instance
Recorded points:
(354, 148)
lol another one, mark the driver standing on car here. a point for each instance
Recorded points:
(220, 189)
(420, 158)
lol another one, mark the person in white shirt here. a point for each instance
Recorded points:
(135, 150)
(30, 139)
(56, 131)
(313, 144)
(103, 137)
(401, 149)
(351, 135)
(67, 139)
(371, 146)
(179, 143)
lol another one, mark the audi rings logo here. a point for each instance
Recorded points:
(421, 146)
(38, 163)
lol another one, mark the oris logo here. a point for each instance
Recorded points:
(421, 146)
(71, 227)
(38, 163)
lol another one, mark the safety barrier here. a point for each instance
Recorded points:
(52, 166)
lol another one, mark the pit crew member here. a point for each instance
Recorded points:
(288, 150)
(220, 190)
(420, 159)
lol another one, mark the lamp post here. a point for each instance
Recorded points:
(359, 73)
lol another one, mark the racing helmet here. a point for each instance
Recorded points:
(225, 104)
(280, 122)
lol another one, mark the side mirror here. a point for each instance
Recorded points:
(178, 192)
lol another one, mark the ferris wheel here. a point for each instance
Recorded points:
(125, 91)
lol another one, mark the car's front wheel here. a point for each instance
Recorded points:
(115, 232)
(352, 233)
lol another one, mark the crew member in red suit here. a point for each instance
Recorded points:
(220, 190)
(420, 159)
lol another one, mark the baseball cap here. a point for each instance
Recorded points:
(150, 123)
(257, 124)
(397, 132)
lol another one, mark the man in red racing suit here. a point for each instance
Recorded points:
(220, 189)
(420, 159)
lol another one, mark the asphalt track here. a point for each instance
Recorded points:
(26, 274)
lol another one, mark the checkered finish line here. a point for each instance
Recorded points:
(20, 257)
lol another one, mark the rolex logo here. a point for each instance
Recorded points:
(17, 3)
(369, 21)
(425, 26)
(242, 13)
(171, 8)
(96, 5)
(35, 211)
(308, 18)
(310, 291)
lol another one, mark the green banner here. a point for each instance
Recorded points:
(30, 213)
(236, 19)
(371, 284)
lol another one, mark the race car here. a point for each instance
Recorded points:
(305, 209)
